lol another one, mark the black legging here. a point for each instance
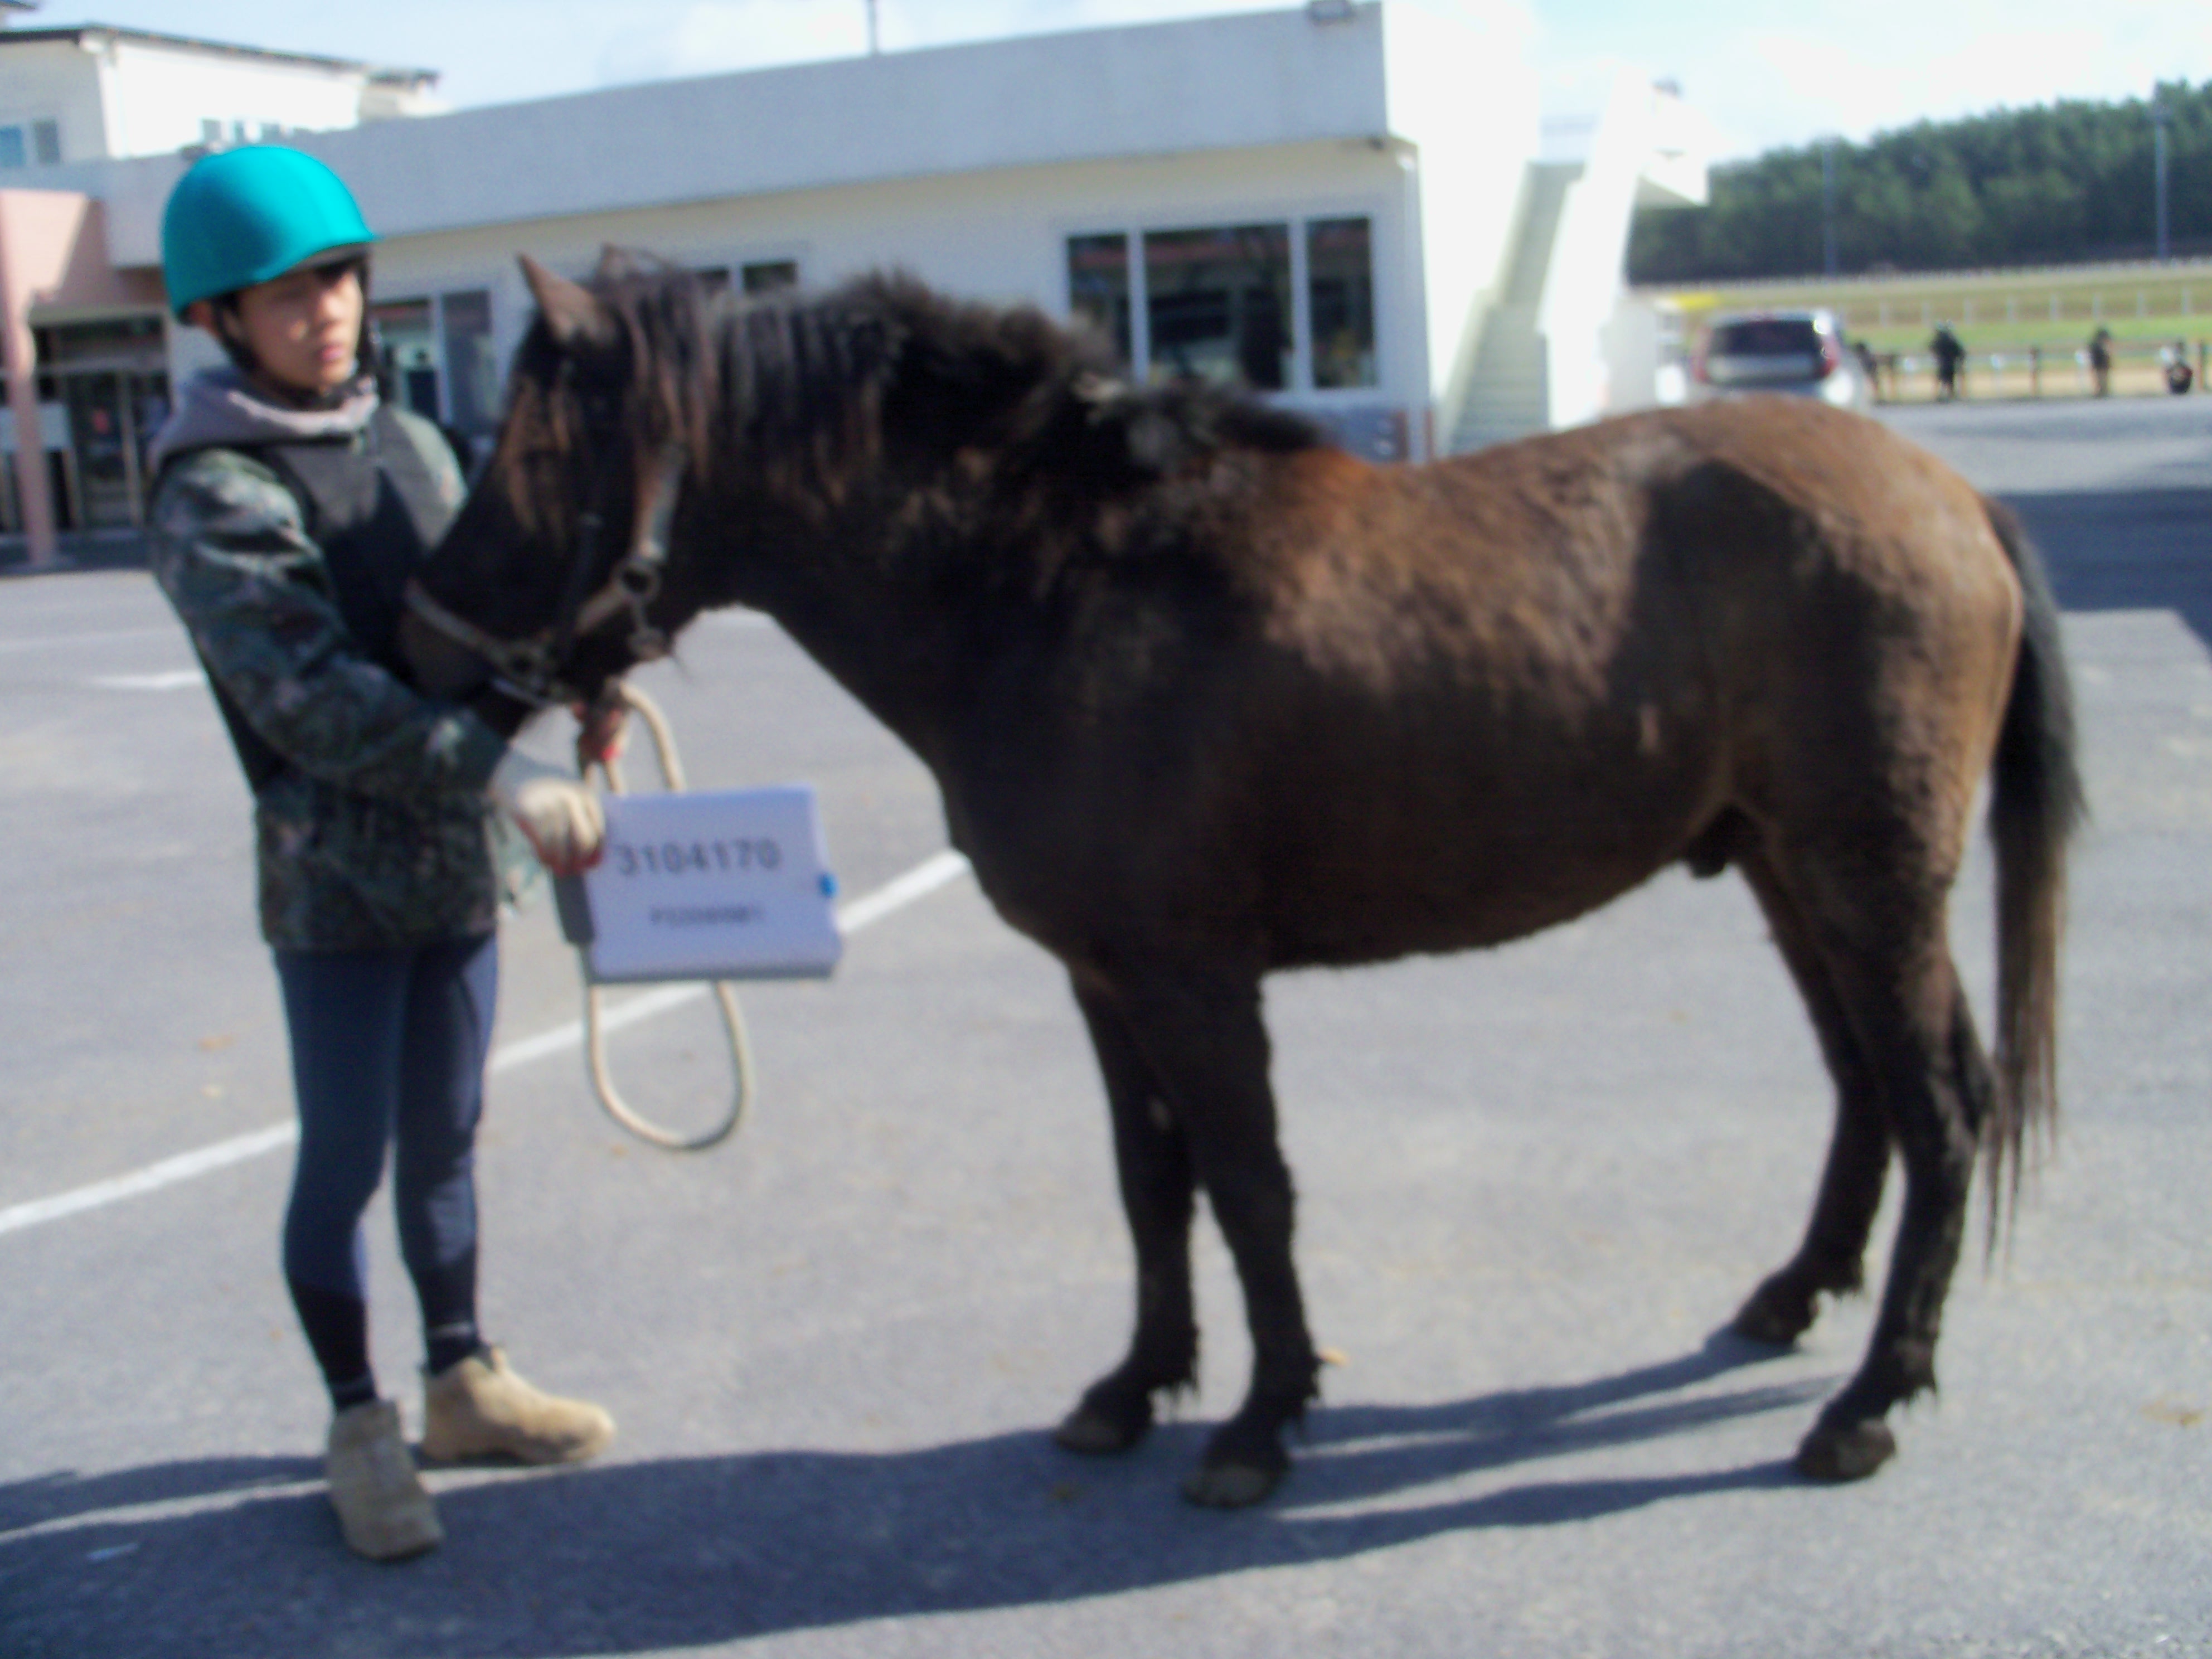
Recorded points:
(388, 1048)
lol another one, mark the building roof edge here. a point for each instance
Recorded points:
(76, 34)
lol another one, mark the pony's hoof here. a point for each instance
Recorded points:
(1846, 1451)
(1777, 1313)
(1229, 1485)
(1095, 1434)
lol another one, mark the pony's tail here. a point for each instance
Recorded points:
(2036, 803)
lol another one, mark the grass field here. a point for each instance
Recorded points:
(2001, 316)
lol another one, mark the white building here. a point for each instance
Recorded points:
(1345, 205)
(86, 338)
(90, 92)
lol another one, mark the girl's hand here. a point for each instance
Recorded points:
(599, 729)
(559, 816)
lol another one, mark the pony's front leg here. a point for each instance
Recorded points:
(1158, 1194)
(1200, 1033)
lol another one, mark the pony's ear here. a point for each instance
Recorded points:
(573, 314)
(613, 264)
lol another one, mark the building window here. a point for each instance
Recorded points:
(437, 357)
(1218, 305)
(770, 276)
(1098, 286)
(763, 277)
(1340, 301)
(471, 366)
(39, 141)
(407, 337)
(1277, 307)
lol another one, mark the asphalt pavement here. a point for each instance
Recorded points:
(1533, 1184)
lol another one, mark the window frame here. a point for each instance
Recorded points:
(733, 262)
(434, 296)
(1298, 220)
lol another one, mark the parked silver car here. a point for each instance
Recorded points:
(1800, 353)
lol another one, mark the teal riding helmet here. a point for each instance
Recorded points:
(244, 215)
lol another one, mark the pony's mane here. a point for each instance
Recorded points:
(665, 316)
(1044, 395)
(811, 386)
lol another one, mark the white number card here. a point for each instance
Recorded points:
(729, 883)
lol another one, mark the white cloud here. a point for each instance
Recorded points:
(1767, 74)
(1856, 67)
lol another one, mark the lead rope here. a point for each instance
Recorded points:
(733, 1022)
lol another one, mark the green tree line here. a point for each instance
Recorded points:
(2054, 185)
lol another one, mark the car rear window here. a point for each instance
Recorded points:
(1766, 337)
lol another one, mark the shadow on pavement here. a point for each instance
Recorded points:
(2145, 549)
(687, 1552)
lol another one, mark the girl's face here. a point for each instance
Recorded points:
(304, 327)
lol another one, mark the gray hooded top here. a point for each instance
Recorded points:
(373, 834)
(221, 406)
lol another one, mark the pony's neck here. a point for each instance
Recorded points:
(875, 568)
(892, 630)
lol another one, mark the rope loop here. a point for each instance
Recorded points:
(744, 1084)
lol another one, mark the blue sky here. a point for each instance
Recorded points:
(1767, 72)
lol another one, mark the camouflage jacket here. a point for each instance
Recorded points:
(373, 831)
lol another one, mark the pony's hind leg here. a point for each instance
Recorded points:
(1158, 1194)
(1939, 1088)
(1831, 1258)
(1903, 998)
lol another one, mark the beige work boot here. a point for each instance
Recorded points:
(383, 1510)
(477, 1407)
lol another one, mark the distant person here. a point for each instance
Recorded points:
(290, 506)
(1869, 367)
(2180, 376)
(2100, 361)
(1950, 358)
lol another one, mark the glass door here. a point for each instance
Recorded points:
(106, 450)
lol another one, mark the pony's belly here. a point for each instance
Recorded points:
(1353, 921)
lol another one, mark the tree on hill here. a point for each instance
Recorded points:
(2053, 185)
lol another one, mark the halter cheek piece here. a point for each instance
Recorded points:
(529, 669)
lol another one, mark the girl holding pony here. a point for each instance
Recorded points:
(290, 506)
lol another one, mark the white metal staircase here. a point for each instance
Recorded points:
(1507, 394)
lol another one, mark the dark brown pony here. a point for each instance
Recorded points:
(1208, 697)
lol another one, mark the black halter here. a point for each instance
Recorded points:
(529, 669)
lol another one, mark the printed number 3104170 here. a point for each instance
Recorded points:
(675, 858)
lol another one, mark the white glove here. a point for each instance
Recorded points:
(557, 814)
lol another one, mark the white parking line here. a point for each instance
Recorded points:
(924, 878)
